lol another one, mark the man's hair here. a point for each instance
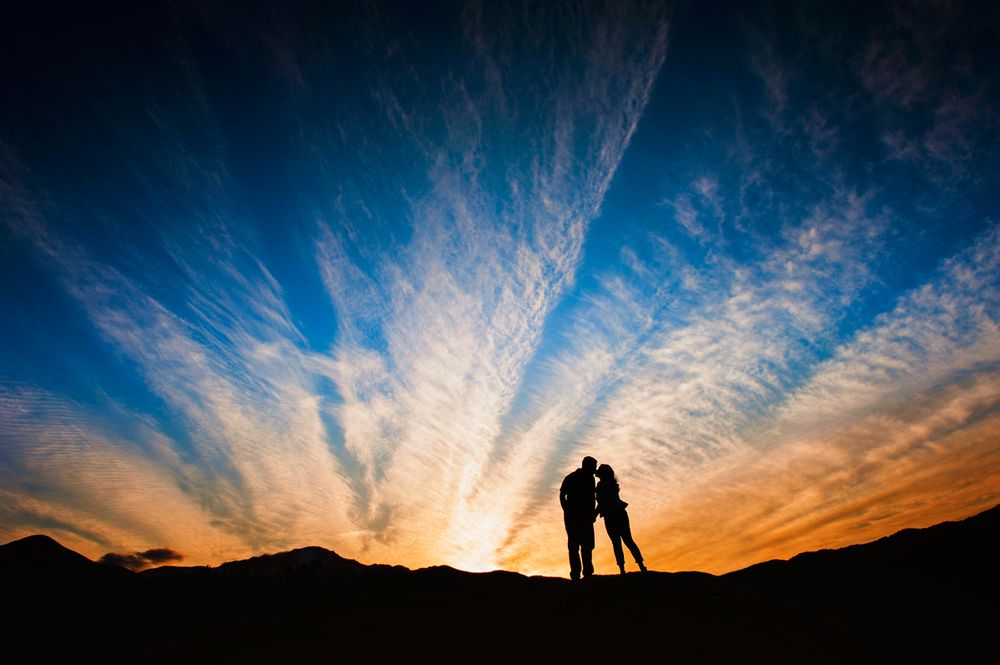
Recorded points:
(588, 463)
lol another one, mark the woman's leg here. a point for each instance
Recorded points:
(626, 535)
(614, 533)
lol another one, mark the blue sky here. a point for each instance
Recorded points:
(375, 276)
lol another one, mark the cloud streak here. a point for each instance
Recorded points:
(388, 460)
(140, 560)
(462, 309)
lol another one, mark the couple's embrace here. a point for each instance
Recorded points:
(582, 502)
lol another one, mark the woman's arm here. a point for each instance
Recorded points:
(602, 501)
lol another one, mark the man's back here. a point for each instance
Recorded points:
(577, 494)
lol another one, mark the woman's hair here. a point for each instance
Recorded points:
(605, 472)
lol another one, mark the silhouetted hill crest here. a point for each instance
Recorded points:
(920, 595)
(35, 557)
(948, 548)
(282, 563)
(941, 543)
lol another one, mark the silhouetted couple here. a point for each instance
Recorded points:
(582, 502)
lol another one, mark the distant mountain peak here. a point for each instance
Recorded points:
(313, 557)
(37, 540)
(39, 548)
(40, 557)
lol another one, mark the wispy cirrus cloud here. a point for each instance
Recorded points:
(688, 368)
(495, 245)
(722, 446)
(919, 65)
(434, 332)
(683, 402)
(93, 486)
(226, 360)
(900, 421)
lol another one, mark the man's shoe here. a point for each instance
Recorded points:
(621, 567)
(642, 566)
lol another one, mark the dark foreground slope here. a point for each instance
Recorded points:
(925, 595)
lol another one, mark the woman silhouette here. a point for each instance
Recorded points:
(612, 509)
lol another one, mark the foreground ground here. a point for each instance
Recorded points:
(918, 596)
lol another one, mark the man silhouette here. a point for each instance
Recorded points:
(576, 495)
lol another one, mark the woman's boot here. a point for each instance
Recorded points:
(621, 567)
(642, 566)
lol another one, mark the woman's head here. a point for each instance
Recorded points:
(605, 472)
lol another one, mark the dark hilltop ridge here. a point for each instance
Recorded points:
(920, 595)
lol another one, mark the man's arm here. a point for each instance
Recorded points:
(562, 493)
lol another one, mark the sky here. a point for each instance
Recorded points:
(376, 276)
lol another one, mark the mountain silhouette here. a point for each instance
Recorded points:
(314, 560)
(920, 595)
(42, 560)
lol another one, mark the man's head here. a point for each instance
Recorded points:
(589, 464)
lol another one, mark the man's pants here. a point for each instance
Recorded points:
(580, 537)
